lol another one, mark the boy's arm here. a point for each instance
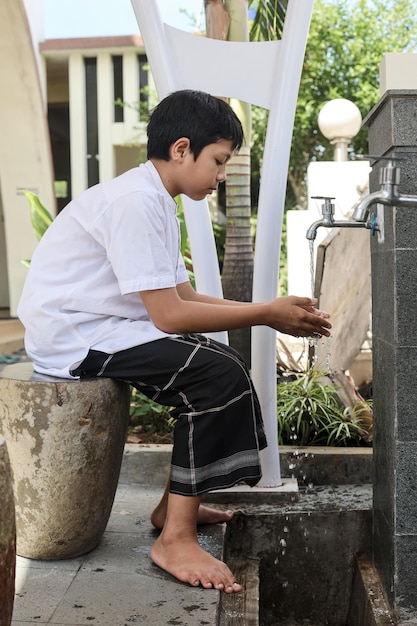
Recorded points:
(181, 310)
(187, 292)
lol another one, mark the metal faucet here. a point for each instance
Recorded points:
(328, 221)
(389, 179)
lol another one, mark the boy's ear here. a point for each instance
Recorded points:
(180, 148)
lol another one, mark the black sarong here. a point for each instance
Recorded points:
(219, 429)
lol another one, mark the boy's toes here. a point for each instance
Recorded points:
(218, 583)
(206, 582)
(233, 588)
(196, 580)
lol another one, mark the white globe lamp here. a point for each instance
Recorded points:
(339, 121)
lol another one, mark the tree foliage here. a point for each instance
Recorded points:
(268, 19)
(345, 47)
(346, 43)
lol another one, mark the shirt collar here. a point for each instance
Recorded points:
(156, 179)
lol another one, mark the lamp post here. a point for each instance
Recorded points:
(339, 121)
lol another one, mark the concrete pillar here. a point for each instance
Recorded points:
(393, 132)
(131, 88)
(7, 538)
(65, 442)
(78, 129)
(105, 106)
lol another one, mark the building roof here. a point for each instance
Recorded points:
(83, 43)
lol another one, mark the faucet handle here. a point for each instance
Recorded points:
(327, 208)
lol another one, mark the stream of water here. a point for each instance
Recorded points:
(313, 342)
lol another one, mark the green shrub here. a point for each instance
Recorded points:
(148, 416)
(310, 413)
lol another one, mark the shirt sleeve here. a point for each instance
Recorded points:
(182, 274)
(141, 239)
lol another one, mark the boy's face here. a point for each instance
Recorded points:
(201, 177)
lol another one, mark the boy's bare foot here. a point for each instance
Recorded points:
(206, 515)
(187, 561)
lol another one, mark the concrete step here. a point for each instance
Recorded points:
(314, 465)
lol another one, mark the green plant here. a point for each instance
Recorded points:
(39, 215)
(148, 416)
(310, 413)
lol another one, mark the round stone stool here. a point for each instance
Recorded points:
(7, 538)
(65, 440)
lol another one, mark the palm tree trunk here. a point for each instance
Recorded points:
(228, 20)
(217, 19)
(237, 271)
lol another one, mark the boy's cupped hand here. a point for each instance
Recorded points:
(299, 317)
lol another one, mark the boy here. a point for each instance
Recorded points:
(107, 294)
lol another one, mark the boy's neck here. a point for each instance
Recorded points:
(166, 171)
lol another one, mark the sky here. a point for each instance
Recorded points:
(100, 18)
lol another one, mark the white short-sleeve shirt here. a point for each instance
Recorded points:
(82, 289)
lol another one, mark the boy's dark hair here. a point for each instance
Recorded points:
(197, 115)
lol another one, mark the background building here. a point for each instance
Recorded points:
(61, 125)
(93, 135)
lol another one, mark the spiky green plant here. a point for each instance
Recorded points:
(310, 413)
(39, 215)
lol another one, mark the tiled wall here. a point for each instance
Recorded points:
(393, 132)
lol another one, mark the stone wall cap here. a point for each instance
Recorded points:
(390, 94)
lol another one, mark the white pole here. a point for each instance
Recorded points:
(270, 216)
(156, 45)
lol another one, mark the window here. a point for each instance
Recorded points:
(118, 88)
(90, 64)
(143, 87)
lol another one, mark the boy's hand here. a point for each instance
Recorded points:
(298, 317)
